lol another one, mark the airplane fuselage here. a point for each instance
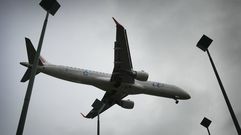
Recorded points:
(102, 81)
(123, 80)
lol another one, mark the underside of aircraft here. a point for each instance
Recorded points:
(123, 81)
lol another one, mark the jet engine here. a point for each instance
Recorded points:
(127, 104)
(140, 75)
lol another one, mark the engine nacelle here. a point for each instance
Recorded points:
(127, 104)
(141, 75)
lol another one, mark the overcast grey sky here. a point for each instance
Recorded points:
(162, 37)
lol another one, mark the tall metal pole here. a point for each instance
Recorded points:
(98, 118)
(208, 131)
(31, 81)
(98, 125)
(235, 121)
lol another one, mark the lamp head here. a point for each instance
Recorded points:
(50, 6)
(206, 122)
(204, 43)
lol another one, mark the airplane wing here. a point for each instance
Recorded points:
(110, 98)
(122, 73)
(122, 59)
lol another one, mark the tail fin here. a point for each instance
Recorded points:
(31, 54)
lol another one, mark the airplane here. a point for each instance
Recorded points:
(123, 81)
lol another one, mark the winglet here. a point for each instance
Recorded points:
(83, 115)
(117, 23)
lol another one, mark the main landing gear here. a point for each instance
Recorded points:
(176, 101)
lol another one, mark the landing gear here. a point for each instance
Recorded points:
(176, 101)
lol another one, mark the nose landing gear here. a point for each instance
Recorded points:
(176, 101)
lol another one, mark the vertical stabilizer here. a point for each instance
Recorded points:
(31, 54)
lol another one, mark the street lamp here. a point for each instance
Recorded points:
(51, 6)
(206, 122)
(99, 106)
(203, 44)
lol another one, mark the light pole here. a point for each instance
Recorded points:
(99, 106)
(203, 44)
(206, 122)
(51, 6)
(98, 118)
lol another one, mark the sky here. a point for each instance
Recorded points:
(162, 38)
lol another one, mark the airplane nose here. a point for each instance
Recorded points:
(187, 96)
(180, 93)
(184, 94)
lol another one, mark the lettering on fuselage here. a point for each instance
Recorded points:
(85, 73)
(157, 85)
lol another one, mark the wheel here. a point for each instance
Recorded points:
(177, 102)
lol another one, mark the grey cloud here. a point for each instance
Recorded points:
(162, 37)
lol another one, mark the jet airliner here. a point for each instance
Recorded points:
(123, 80)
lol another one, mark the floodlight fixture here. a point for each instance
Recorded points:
(206, 122)
(204, 43)
(51, 6)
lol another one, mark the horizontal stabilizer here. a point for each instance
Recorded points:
(31, 55)
(26, 76)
